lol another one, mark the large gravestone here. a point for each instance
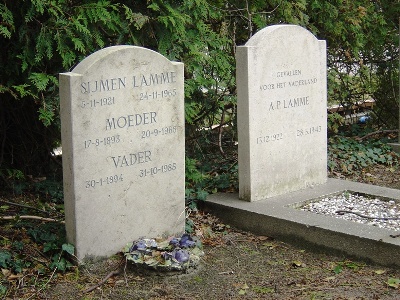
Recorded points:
(281, 82)
(123, 149)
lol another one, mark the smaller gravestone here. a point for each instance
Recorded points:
(281, 83)
(123, 149)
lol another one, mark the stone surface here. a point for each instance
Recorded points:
(281, 82)
(279, 218)
(122, 115)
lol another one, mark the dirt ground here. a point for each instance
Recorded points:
(236, 265)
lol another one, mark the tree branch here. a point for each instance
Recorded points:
(377, 132)
(113, 273)
(30, 217)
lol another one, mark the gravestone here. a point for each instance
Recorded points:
(123, 149)
(282, 111)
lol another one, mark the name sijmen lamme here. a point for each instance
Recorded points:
(137, 81)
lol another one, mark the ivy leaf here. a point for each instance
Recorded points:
(49, 246)
(338, 269)
(70, 249)
(201, 195)
(5, 258)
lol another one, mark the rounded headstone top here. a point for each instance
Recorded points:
(277, 31)
(121, 52)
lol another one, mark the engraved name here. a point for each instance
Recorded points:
(138, 81)
(154, 79)
(131, 159)
(131, 120)
(290, 103)
(111, 84)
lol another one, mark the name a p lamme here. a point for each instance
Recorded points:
(290, 103)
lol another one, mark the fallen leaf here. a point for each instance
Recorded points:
(6, 272)
(394, 282)
(380, 272)
(269, 245)
(245, 286)
(297, 264)
(13, 277)
(330, 278)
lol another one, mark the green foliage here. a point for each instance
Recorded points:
(189, 225)
(52, 238)
(3, 290)
(386, 112)
(347, 155)
(61, 261)
(340, 266)
(7, 23)
(51, 190)
(5, 259)
(263, 289)
(362, 38)
(11, 174)
(335, 121)
(194, 181)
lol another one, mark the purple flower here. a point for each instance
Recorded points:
(139, 245)
(174, 242)
(186, 241)
(181, 255)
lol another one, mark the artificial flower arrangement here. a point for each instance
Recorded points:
(170, 254)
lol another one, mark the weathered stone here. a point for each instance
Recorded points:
(282, 100)
(123, 149)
